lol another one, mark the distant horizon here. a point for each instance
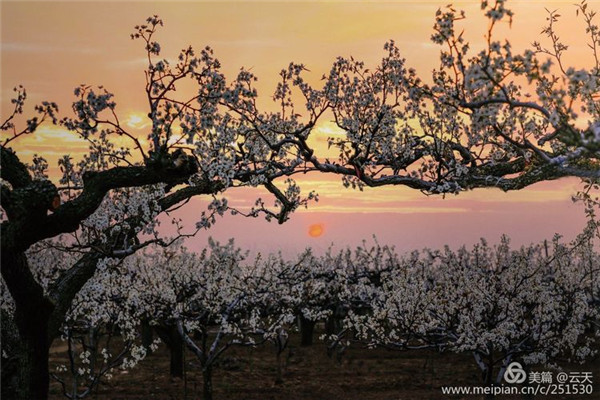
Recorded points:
(524, 223)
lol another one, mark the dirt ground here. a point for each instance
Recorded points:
(361, 374)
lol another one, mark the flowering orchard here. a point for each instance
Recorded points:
(535, 305)
(484, 118)
(497, 303)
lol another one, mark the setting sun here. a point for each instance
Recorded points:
(315, 230)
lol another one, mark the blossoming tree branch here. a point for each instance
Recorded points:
(492, 118)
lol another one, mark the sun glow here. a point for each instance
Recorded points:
(315, 230)
(137, 120)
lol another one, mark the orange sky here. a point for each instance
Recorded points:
(51, 47)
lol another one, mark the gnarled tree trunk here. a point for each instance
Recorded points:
(27, 377)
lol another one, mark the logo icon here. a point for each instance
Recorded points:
(515, 373)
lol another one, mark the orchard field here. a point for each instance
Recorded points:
(368, 319)
(249, 374)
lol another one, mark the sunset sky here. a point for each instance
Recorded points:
(52, 47)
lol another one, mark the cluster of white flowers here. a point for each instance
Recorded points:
(101, 329)
(122, 215)
(493, 102)
(533, 304)
(498, 11)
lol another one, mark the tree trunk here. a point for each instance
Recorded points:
(306, 331)
(489, 379)
(333, 324)
(25, 375)
(33, 372)
(279, 377)
(207, 387)
(330, 325)
(176, 360)
(147, 336)
(169, 335)
(281, 342)
(30, 377)
(485, 364)
(11, 343)
(527, 396)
